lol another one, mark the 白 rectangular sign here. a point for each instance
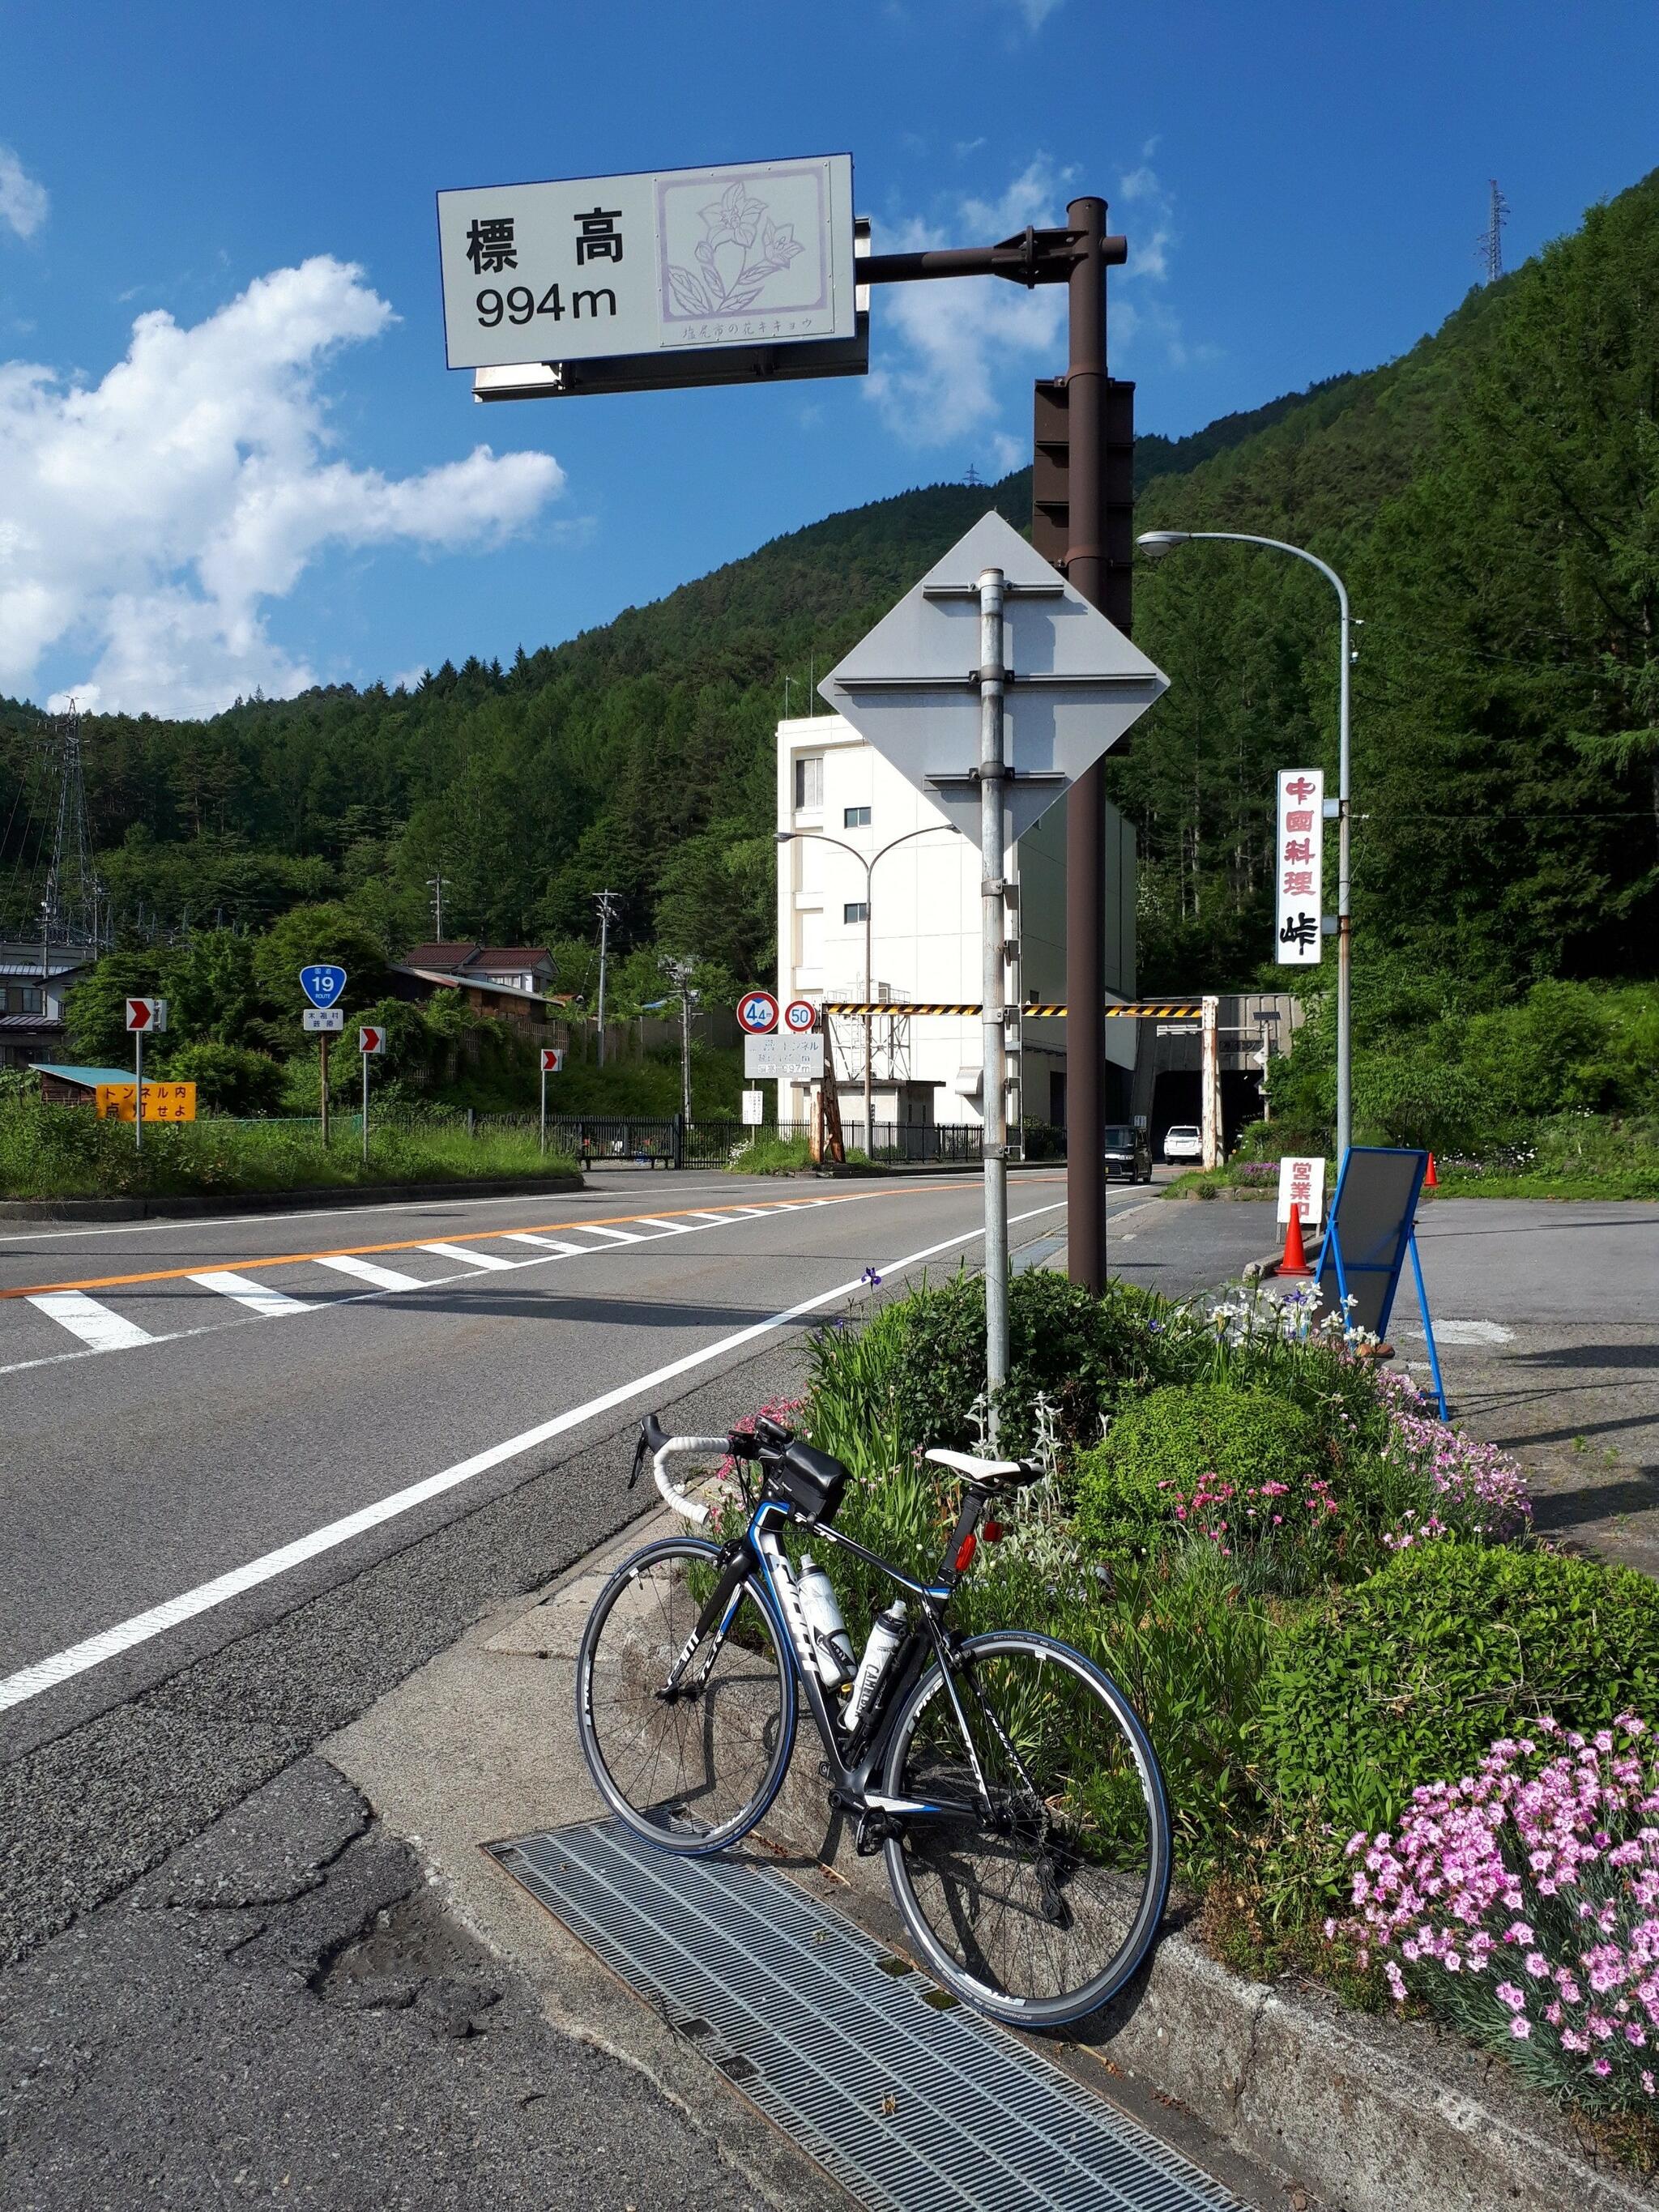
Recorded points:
(1301, 1185)
(1298, 850)
(315, 1020)
(781, 1056)
(666, 261)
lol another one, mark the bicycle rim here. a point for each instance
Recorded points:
(693, 1772)
(1039, 1907)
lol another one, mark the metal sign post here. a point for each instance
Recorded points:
(371, 1041)
(552, 1061)
(323, 983)
(992, 853)
(145, 1017)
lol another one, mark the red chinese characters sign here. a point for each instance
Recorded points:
(1298, 849)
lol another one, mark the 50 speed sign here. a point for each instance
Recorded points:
(757, 1013)
(800, 1016)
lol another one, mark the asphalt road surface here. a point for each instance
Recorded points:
(259, 1472)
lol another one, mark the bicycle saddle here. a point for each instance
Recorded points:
(986, 1473)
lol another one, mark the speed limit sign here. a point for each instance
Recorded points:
(757, 1013)
(801, 1016)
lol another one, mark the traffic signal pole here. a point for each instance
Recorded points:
(1078, 257)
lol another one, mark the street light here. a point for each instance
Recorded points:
(788, 837)
(1155, 545)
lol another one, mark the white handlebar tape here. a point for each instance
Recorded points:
(688, 1508)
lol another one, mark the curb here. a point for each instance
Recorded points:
(186, 1208)
(1370, 2113)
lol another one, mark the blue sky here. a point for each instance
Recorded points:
(276, 479)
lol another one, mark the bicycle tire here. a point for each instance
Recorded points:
(745, 1714)
(1021, 1914)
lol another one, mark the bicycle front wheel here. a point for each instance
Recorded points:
(1039, 1890)
(689, 1761)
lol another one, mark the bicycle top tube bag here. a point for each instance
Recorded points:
(812, 1480)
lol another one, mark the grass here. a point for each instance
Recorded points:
(766, 1154)
(60, 1152)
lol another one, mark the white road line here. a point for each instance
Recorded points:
(749, 1209)
(705, 1217)
(383, 1278)
(63, 1666)
(668, 1228)
(259, 1297)
(553, 1243)
(93, 1324)
(472, 1256)
(617, 1235)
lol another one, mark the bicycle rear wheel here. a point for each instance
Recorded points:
(1038, 1898)
(693, 1768)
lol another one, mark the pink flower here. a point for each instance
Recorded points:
(1520, 2028)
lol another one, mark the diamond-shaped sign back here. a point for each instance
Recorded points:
(909, 688)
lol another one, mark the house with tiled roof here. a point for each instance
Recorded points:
(34, 985)
(509, 981)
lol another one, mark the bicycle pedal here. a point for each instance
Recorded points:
(869, 1834)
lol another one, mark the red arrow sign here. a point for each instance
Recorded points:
(139, 1012)
(372, 1039)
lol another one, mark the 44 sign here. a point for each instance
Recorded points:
(757, 1013)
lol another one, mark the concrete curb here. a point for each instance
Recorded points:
(185, 1208)
(1372, 2114)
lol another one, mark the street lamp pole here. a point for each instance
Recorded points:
(820, 837)
(1155, 543)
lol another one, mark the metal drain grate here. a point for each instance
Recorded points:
(912, 2101)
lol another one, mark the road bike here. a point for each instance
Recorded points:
(1008, 1782)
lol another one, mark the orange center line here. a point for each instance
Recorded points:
(208, 1265)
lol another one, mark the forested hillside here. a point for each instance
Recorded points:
(1493, 499)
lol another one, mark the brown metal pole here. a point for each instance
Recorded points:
(1085, 807)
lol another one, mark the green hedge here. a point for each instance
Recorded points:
(1410, 1676)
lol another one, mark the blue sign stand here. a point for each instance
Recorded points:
(1381, 1185)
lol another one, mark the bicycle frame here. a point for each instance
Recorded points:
(856, 1762)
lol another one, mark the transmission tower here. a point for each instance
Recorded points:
(71, 912)
(973, 479)
(1489, 247)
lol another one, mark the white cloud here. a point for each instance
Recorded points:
(957, 342)
(23, 203)
(1036, 13)
(148, 518)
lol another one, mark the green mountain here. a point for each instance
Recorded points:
(1493, 499)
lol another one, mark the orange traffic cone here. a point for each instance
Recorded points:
(1431, 1180)
(1295, 1259)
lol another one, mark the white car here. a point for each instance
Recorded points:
(1183, 1142)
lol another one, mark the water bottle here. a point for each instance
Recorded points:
(826, 1632)
(886, 1635)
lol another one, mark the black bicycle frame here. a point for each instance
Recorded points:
(742, 1560)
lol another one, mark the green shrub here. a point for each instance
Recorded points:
(921, 1365)
(1242, 1467)
(228, 1078)
(1409, 1677)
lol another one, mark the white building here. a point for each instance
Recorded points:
(925, 936)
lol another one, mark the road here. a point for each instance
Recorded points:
(260, 1472)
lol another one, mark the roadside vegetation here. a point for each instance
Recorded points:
(1346, 1644)
(64, 1151)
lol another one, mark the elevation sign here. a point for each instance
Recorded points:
(1075, 683)
(664, 262)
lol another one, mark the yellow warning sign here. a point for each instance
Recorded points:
(163, 1102)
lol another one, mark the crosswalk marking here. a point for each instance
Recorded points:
(466, 1252)
(93, 1324)
(668, 1228)
(705, 1217)
(551, 1243)
(256, 1296)
(385, 1279)
(617, 1236)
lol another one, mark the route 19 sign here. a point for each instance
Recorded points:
(800, 1016)
(322, 982)
(757, 1013)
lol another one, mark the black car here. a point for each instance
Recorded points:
(1128, 1154)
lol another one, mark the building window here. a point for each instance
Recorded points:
(856, 910)
(855, 817)
(19, 998)
(809, 781)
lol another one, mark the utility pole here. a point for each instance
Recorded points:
(992, 848)
(436, 886)
(607, 902)
(680, 974)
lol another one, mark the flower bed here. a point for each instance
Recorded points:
(1321, 1599)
